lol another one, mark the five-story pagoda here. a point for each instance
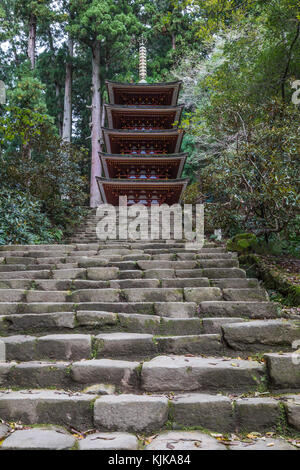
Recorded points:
(142, 159)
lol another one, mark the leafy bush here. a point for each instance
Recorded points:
(192, 194)
(38, 166)
(22, 220)
(243, 243)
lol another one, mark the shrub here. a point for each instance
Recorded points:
(243, 243)
(22, 220)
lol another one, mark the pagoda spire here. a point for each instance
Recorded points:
(142, 62)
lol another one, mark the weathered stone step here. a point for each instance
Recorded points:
(44, 248)
(32, 274)
(48, 406)
(124, 375)
(219, 273)
(158, 264)
(225, 258)
(195, 440)
(168, 309)
(261, 334)
(146, 413)
(130, 295)
(219, 413)
(101, 321)
(284, 371)
(245, 295)
(39, 439)
(255, 310)
(31, 322)
(73, 347)
(210, 251)
(235, 283)
(179, 373)
(217, 263)
(214, 325)
(185, 282)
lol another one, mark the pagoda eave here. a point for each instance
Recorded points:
(174, 161)
(116, 139)
(148, 93)
(143, 116)
(164, 191)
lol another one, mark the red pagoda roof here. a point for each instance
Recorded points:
(143, 93)
(142, 117)
(142, 142)
(152, 166)
(145, 192)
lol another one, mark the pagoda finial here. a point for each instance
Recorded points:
(142, 61)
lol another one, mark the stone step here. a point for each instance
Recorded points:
(40, 439)
(42, 322)
(43, 248)
(284, 371)
(168, 309)
(124, 375)
(135, 283)
(245, 295)
(101, 321)
(153, 295)
(255, 310)
(214, 325)
(219, 273)
(48, 406)
(261, 334)
(74, 347)
(235, 283)
(185, 282)
(179, 373)
(195, 440)
(148, 413)
(152, 264)
(22, 274)
(217, 263)
(206, 250)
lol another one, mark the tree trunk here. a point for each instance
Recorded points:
(67, 123)
(95, 199)
(32, 40)
(59, 114)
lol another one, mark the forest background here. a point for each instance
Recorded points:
(238, 61)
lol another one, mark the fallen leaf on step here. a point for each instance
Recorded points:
(169, 446)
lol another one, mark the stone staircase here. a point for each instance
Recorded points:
(108, 343)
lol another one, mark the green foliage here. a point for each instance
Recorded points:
(192, 194)
(29, 93)
(242, 243)
(22, 220)
(284, 291)
(36, 162)
(243, 120)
